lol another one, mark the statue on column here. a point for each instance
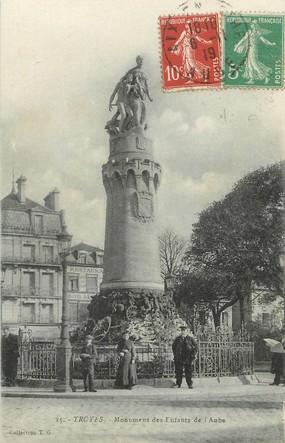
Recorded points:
(131, 91)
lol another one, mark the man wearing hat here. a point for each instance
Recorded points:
(88, 356)
(9, 356)
(184, 350)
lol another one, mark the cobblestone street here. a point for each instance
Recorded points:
(216, 414)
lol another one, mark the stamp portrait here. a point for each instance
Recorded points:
(190, 51)
(253, 53)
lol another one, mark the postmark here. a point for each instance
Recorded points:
(253, 50)
(190, 51)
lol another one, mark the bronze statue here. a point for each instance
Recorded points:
(131, 91)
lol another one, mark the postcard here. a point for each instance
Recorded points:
(168, 103)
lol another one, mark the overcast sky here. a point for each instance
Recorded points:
(61, 60)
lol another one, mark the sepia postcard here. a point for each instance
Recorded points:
(178, 99)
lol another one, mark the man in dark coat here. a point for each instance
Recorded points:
(88, 356)
(9, 357)
(184, 350)
(277, 368)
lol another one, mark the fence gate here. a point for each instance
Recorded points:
(37, 358)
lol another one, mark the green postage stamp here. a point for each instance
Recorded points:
(253, 50)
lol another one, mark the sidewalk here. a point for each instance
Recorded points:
(230, 391)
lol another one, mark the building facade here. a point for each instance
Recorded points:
(31, 285)
(85, 274)
(267, 314)
(31, 268)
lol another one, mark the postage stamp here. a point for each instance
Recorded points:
(190, 51)
(253, 51)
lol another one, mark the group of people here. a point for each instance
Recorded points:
(184, 349)
(126, 374)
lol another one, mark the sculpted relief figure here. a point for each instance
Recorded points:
(131, 91)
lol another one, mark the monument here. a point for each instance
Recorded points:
(131, 179)
(132, 286)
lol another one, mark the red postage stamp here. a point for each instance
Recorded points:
(190, 51)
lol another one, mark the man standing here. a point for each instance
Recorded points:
(184, 350)
(88, 356)
(9, 354)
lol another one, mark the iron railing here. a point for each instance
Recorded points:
(28, 291)
(33, 259)
(215, 359)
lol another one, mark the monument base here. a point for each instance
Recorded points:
(130, 303)
(125, 307)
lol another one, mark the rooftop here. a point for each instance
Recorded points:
(11, 201)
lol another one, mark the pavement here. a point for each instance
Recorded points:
(210, 413)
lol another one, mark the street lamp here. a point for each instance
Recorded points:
(63, 350)
(282, 265)
(169, 282)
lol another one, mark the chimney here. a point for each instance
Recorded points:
(21, 189)
(52, 200)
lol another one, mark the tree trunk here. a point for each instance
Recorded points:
(244, 294)
(242, 310)
(216, 318)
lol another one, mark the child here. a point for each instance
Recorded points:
(88, 356)
(122, 90)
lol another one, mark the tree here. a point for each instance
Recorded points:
(236, 243)
(203, 289)
(171, 249)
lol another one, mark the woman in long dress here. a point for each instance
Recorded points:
(186, 45)
(248, 45)
(126, 375)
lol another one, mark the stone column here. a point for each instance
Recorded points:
(131, 178)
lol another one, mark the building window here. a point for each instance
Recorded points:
(47, 254)
(78, 312)
(28, 284)
(47, 284)
(73, 282)
(9, 311)
(82, 258)
(265, 318)
(73, 312)
(83, 312)
(38, 224)
(91, 283)
(99, 259)
(28, 313)
(225, 319)
(28, 252)
(7, 248)
(46, 313)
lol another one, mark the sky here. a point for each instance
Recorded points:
(60, 61)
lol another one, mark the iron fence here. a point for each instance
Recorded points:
(215, 359)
